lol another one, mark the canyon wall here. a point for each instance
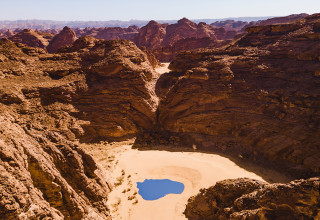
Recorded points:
(258, 98)
(47, 101)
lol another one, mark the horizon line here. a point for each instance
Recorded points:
(36, 19)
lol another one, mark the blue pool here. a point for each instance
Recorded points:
(152, 189)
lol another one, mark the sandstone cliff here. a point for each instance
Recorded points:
(251, 199)
(47, 101)
(258, 98)
(44, 174)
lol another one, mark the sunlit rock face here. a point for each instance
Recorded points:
(66, 37)
(258, 97)
(251, 199)
(91, 90)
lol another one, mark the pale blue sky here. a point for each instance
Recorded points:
(150, 9)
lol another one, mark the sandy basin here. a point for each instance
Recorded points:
(129, 166)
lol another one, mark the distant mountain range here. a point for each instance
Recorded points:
(49, 24)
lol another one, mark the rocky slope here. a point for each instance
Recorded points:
(252, 199)
(47, 101)
(258, 98)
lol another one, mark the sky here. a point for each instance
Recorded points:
(103, 10)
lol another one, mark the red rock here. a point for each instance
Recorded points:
(258, 95)
(66, 37)
(30, 38)
(151, 35)
(110, 33)
(166, 41)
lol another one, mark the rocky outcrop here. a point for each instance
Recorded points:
(256, 98)
(66, 37)
(250, 199)
(110, 33)
(165, 40)
(92, 89)
(44, 174)
(30, 38)
(151, 36)
(118, 97)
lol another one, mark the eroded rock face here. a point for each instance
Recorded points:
(251, 199)
(257, 98)
(66, 37)
(118, 98)
(30, 38)
(44, 174)
(47, 101)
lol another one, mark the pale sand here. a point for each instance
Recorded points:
(163, 68)
(194, 170)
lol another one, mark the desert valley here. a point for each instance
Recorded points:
(230, 110)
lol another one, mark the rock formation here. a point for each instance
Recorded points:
(281, 20)
(257, 98)
(44, 174)
(151, 36)
(30, 38)
(165, 40)
(46, 102)
(118, 98)
(230, 25)
(251, 199)
(66, 37)
(109, 33)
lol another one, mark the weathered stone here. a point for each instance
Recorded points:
(66, 37)
(250, 199)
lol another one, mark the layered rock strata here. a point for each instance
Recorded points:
(251, 199)
(48, 101)
(258, 98)
(44, 174)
